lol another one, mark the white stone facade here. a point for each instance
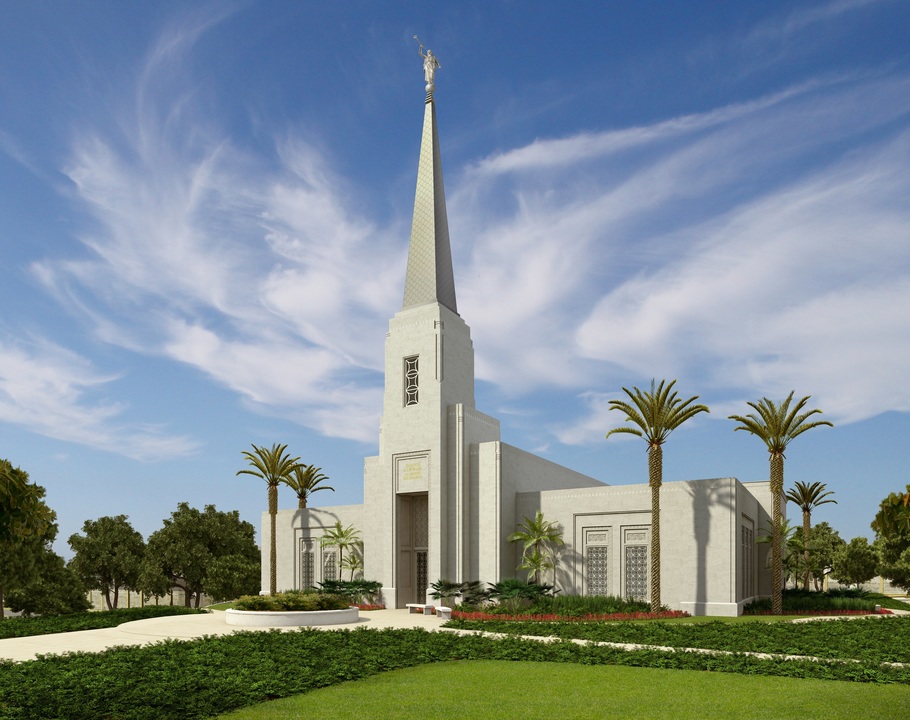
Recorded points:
(444, 493)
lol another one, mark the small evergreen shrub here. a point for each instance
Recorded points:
(803, 602)
(202, 678)
(359, 592)
(292, 601)
(31, 626)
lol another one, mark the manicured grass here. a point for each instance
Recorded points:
(221, 606)
(508, 690)
(888, 602)
(202, 678)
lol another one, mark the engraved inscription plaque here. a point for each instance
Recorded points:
(412, 473)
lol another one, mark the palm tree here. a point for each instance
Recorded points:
(808, 497)
(540, 540)
(305, 480)
(274, 466)
(776, 424)
(657, 413)
(345, 539)
(792, 548)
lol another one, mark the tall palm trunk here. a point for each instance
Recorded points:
(807, 529)
(655, 477)
(777, 491)
(273, 552)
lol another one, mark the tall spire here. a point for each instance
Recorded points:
(430, 278)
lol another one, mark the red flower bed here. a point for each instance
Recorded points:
(666, 615)
(882, 611)
(364, 606)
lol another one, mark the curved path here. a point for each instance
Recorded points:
(182, 627)
(189, 627)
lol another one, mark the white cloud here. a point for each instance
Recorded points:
(54, 392)
(722, 246)
(802, 288)
(254, 270)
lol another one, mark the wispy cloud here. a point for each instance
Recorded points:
(739, 248)
(713, 259)
(255, 270)
(54, 392)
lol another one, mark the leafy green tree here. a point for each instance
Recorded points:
(807, 498)
(305, 480)
(22, 509)
(18, 563)
(892, 529)
(108, 556)
(855, 563)
(209, 552)
(53, 588)
(655, 414)
(347, 540)
(274, 466)
(25, 524)
(893, 517)
(541, 540)
(824, 541)
(776, 425)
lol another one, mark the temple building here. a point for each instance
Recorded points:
(444, 492)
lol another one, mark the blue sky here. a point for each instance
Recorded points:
(205, 208)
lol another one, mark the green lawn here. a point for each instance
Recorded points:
(508, 690)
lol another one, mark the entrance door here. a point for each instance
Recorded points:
(413, 541)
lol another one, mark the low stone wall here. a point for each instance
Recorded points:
(259, 618)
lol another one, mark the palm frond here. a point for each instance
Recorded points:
(655, 412)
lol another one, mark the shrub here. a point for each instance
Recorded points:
(807, 602)
(358, 592)
(202, 678)
(28, 627)
(292, 601)
(513, 594)
(537, 602)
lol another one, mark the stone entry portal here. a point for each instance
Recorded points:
(413, 547)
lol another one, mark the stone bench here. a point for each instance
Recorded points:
(444, 613)
(419, 608)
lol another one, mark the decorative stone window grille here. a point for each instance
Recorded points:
(410, 380)
(330, 565)
(307, 564)
(748, 554)
(637, 572)
(598, 562)
(422, 573)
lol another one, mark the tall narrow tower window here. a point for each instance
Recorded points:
(410, 380)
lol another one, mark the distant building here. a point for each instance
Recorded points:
(445, 492)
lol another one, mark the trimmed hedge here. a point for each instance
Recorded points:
(202, 678)
(27, 627)
(878, 640)
(292, 600)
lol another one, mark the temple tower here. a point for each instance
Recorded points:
(416, 488)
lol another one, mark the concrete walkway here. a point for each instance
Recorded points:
(181, 627)
(189, 627)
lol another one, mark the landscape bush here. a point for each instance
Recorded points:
(808, 602)
(27, 627)
(205, 677)
(292, 600)
(359, 592)
(530, 616)
(581, 605)
(878, 640)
